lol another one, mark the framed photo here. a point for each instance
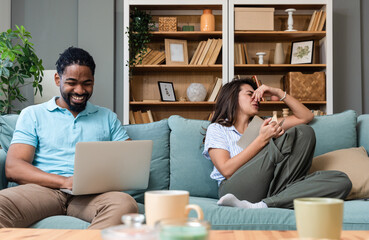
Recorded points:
(302, 52)
(167, 92)
(176, 52)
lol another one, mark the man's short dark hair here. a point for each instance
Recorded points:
(74, 55)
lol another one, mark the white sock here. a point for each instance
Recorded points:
(231, 201)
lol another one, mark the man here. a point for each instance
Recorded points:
(41, 155)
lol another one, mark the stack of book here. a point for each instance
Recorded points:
(317, 21)
(241, 55)
(207, 52)
(139, 117)
(153, 57)
(214, 93)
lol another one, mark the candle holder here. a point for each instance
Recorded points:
(261, 57)
(290, 19)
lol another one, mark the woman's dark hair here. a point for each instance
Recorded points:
(74, 55)
(227, 103)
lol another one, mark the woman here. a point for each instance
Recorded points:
(272, 170)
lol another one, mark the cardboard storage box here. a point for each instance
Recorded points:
(306, 87)
(254, 19)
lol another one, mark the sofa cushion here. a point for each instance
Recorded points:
(352, 161)
(3, 180)
(61, 222)
(230, 218)
(158, 132)
(7, 126)
(362, 131)
(333, 132)
(189, 169)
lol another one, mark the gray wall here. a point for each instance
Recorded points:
(119, 58)
(56, 25)
(365, 53)
(53, 26)
(5, 15)
(347, 75)
(96, 35)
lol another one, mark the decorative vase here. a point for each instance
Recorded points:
(196, 92)
(278, 54)
(207, 21)
(261, 57)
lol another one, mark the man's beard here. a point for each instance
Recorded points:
(75, 107)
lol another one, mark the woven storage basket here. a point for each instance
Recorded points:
(167, 24)
(306, 87)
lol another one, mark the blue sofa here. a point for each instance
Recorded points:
(177, 163)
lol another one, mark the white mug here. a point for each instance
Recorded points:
(168, 204)
(319, 217)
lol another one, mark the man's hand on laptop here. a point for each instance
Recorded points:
(68, 183)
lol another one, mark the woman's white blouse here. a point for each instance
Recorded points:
(218, 136)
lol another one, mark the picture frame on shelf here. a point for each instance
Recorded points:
(166, 90)
(176, 52)
(302, 52)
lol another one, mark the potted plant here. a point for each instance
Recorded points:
(139, 35)
(19, 66)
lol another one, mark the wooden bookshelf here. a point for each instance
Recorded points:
(141, 82)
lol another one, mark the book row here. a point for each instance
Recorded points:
(139, 117)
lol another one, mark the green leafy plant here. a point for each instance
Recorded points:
(19, 66)
(139, 35)
(302, 52)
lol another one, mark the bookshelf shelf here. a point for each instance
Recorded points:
(195, 35)
(275, 68)
(179, 103)
(148, 103)
(170, 68)
(275, 36)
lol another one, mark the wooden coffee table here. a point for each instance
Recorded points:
(59, 234)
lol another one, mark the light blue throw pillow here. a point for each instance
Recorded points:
(159, 169)
(189, 169)
(363, 131)
(333, 132)
(7, 126)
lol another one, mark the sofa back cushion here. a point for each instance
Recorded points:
(158, 132)
(363, 131)
(7, 126)
(189, 169)
(333, 132)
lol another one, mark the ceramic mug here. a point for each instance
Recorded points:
(168, 204)
(319, 217)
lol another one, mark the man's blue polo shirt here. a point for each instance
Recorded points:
(54, 132)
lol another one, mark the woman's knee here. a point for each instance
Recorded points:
(342, 182)
(306, 131)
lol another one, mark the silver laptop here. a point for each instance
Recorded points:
(111, 166)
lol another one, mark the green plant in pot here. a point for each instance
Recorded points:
(19, 66)
(139, 35)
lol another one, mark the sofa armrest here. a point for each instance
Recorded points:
(3, 180)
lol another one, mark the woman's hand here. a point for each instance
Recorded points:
(270, 130)
(265, 90)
